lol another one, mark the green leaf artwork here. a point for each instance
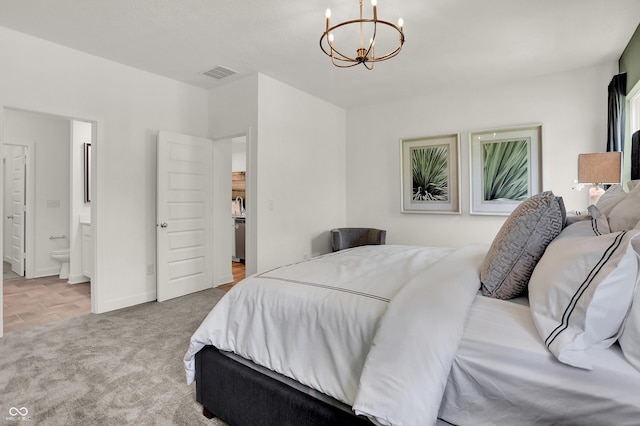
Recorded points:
(430, 173)
(505, 170)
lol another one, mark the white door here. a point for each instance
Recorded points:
(18, 177)
(184, 215)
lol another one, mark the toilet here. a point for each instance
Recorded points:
(62, 256)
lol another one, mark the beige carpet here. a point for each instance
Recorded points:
(119, 368)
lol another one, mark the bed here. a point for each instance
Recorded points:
(411, 335)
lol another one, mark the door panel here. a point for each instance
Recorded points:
(185, 215)
(17, 209)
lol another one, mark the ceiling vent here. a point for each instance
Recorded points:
(219, 73)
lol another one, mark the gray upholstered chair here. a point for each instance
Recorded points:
(343, 238)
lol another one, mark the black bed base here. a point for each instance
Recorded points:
(241, 396)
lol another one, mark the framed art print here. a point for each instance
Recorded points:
(505, 168)
(430, 179)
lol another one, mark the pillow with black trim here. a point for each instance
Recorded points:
(611, 198)
(581, 290)
(591, 213)
(626, 214)
(519, 245)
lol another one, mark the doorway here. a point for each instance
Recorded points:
(52, 211)
(238, 206)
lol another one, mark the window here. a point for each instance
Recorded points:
(634, 112)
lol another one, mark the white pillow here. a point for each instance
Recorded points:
(611, 198)
(595, 223)
(581, 290)
(626, 214)
(630, 337)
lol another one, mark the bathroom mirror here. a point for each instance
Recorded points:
(87, 172)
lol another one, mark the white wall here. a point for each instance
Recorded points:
(572, 108)
(301, 173)
(239, 154)
(223, 233)
(295, 164)
(49, 141)
(129, 107)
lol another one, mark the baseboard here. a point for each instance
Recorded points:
(46, 272)
(126, 302)
(224, 280)
(77, 279)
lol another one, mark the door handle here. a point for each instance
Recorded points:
(10, 217)
(163, 225)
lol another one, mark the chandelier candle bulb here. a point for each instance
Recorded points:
(328, 14)
(375, 9)
(400, 23)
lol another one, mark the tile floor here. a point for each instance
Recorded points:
(29, 302)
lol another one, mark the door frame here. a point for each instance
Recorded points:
(250, 202)
(97, 129)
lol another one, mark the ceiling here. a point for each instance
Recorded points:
(449, 43)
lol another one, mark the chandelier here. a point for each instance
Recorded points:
(364, 54)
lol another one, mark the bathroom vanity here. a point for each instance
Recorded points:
(87, 249)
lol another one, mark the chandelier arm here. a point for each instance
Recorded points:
(338, 57)
(395, 52)
(341, 57)
(388, 55)
(373, 40)
(333, 51)
(357, 21)
(335, 54)
(351, 63)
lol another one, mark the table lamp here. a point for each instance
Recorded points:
(598, 169)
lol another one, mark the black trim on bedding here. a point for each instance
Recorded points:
(606, 256)
(594, 226)
(328, 287)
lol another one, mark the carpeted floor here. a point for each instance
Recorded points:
(118, 368)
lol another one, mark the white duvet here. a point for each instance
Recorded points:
(375, 327)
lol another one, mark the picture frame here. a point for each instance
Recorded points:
(430, 174)
(87, 172)
(506, 168)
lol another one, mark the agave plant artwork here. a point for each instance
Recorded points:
(430, 173)
(505, 170)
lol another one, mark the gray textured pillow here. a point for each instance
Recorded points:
(520, 243)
